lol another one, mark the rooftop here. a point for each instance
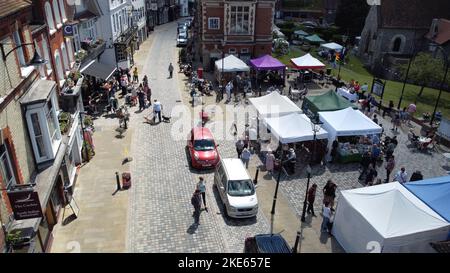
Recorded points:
(8, 7)
(39, 92)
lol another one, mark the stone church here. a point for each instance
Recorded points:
(395, 30)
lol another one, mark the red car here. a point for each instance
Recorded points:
(202, 148)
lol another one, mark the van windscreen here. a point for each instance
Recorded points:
(241, 188)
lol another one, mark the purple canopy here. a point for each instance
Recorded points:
(267, 62)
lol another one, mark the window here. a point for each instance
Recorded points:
(44, 130)
(244, 50)
(46, 54)
(122, 54)
(6, 170)
(38, 136)
(65, 59)
(214, 23)
(69, 49)
(39, 51)
(59, 67)
(19, 51)
(232, 51)
(56, 12)
(239, 20)
(114, 23)
(397, 44)
(63, 10)
(49, 16)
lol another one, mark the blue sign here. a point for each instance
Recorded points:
(68, 30)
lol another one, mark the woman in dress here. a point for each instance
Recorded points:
(270, 161)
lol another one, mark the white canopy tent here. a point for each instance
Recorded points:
(231, 64)
(332, 46)
(307, 62)
(386, 218)
(293, 128)
(274, 105)
(347, 122)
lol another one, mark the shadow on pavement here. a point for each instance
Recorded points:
(69, 219)
(191, 230)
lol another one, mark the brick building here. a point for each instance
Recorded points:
(242, 28)
(33, 150)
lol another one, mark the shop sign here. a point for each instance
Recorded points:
(25, 204)
(68, 30)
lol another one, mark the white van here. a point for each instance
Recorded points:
(236, 188)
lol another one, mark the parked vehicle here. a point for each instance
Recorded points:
(202, 148)
(266, 243)
(182, 40)
(188, 22)
(236, 189)
(182, 28)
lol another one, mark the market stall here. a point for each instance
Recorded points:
(346, 126)
(296, 129)
(331, 47)
(268, 63)
(348, 94)
(314, 39)
(229, 65)
(274, 104)
(307, 62)
(329, 101)
(434, 192)
(386, 218)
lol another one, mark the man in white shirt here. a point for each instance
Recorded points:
(401, 176)
(228, 90)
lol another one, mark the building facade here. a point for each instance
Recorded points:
(388, 39)
(139, 20)
(33, 148)
(118, 33)
(151, 13)
(226, 27)
(183, 7)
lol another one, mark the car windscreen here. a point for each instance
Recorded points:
(204, 145)
(241, 188)
(182, 36)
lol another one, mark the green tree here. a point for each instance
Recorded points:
(351, 16)
(424, 71)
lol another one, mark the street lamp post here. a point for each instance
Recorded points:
(447, 61)
(272, 212)
(300, 231)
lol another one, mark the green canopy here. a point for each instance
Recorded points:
(314, 39)
(329, 101)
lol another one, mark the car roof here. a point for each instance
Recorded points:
(272, 243)
(202, 133)
(235, 169)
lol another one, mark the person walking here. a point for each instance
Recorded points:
(329, 193)
(390, 166)
(401, 176)
(170, 70)
(365, 162)
(148, 93)
(135, 75)
(141, 97)
(371, 175)
(145, 80)
(291, 160)
(228, 88)
(245, 156)
(157, 108)
(375, 154)
(395, 122)
(197, 204)
(239, 147)
(201, 186)
(311, 198)
(270, 162)
(326, 213)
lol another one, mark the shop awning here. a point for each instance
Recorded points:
(99, 70)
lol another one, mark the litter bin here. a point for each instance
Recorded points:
(200, 72)
(126, 180)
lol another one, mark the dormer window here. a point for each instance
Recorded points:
(42, 120)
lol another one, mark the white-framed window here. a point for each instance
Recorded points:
(6, 170)
(56, 12)
(46, 54)
(239, 20)
(39, 51)
(213, 23)
(44, 129)
(19, 51)
(63, 10)
(59, 67)
(232, 50)
(244, 50)
(65, 57)
(69, 50)
(49, 16)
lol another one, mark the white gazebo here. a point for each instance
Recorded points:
(332, 46)
(293, 128)
(274, 105)
(307, 62)
(231, 64)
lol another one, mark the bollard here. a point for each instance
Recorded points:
(118, 181)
